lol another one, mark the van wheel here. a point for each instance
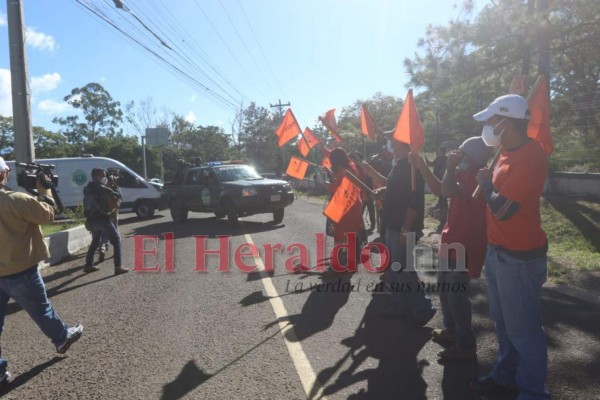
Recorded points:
(145, 209)
(278, 215)
(179, 212)
(231, 212)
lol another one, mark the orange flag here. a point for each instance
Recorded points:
(288, 129)
(328, 121)
(326, 163)
(307, 142)
(408, 128)
(539, 123)
(297, 168)
(345, 196)
(367, 124)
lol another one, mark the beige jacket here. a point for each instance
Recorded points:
(21, 242)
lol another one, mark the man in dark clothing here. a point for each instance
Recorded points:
(403, 213)
(99, 203)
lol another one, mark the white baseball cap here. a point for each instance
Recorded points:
(3, 165)
(510, 105)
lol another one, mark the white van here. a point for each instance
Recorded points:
(75, 173)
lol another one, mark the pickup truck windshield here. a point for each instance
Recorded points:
(236, 173)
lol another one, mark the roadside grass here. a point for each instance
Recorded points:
(73, 218)
(573, 230)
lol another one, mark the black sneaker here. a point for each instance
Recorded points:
(73, 335)
(91, 268)
(486, 385)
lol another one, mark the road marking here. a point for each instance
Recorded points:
(312, 387)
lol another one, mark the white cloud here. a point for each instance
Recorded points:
(5, 93)
(50, 106)
(39, 40)
(191, 117)
(3, 21)
(45, 83)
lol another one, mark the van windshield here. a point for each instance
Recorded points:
(237, 173)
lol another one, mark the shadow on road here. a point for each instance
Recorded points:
(188, 379)
(32, 373)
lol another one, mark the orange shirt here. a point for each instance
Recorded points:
(520, 176)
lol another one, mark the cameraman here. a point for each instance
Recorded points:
(99, 203)
(23, 247)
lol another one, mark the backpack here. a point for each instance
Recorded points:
(90, 206)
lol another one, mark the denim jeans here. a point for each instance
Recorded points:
(456, 305)
(407, 295)
(108, 228)
(28, 290)
(515, 297)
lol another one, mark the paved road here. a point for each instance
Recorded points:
(256, 335)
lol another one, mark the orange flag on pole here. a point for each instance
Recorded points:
(329, 122)
(539, 123)
(409, 129)
(288, 129)
(367, 124)
(345, 196)
(307, 142)
(297, 168)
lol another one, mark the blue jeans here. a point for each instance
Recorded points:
(108, 228)
(515, 297)
(407, 295)
(456, 305)
(28, 290)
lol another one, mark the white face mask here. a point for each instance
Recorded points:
(489, 137)
(104, 181)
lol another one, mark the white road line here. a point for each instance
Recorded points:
(303, 367)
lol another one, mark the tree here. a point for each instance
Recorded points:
(51, 144)
(7, 139)
(257, 139)
(101, 113)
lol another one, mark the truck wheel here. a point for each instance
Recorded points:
(179, 212)
(229, 208)
(145, 209)
(220, 215)
(278, 215)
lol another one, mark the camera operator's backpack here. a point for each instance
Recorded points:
(91, 207)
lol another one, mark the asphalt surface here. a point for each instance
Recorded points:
(228, 335)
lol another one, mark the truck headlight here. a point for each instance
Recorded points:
(247, 192)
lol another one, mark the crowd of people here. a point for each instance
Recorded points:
(493, 214)
(500, 229)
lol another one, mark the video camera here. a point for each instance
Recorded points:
(29, 176)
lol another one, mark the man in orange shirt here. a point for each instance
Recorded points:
(515, 263)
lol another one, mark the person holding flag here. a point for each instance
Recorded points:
(351, 221)
(403, 213)
(515, 262)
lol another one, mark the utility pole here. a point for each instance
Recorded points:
(24, 149)
(280, 107)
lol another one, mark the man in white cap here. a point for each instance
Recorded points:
(462, 244)
(515, 263)
(23, 248)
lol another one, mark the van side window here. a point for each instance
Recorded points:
(129, 181)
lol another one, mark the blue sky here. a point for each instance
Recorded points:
(316, 54)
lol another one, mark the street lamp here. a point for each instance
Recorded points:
(144, 156)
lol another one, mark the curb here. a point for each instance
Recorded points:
(572, 291)
(65, 243)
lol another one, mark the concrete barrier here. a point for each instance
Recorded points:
(66, 243)
(574, 184)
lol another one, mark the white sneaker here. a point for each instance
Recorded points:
(73, 335)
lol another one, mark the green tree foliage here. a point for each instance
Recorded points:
(102, 115)
(50, 144)
(7, 140)
(257, 140)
